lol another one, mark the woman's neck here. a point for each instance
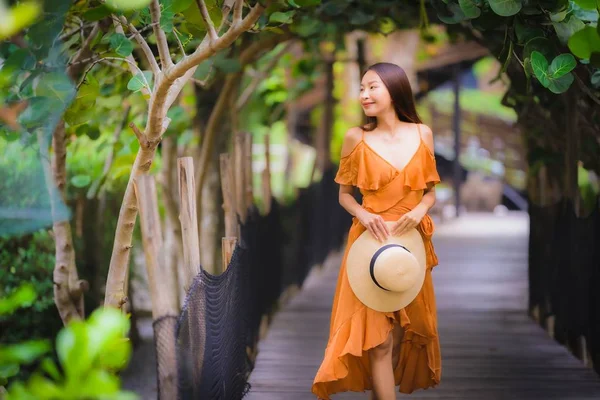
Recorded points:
(388, 123)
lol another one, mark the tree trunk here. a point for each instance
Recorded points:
(68, 288)
(325, 128)
(168, 85)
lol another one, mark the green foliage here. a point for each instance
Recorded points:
(555, 76)
(28, 258)
(90, 353)
(13, 356)
(18, 17)
(522, 29)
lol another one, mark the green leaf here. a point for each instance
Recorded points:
(583, 14)
(120, 44)
(96, 13)
(203, 69)
(525, 32)
(470, 8)
(452, 15)
(540, 67)
(180, 5)
(561, 84)
(72, 348)
(333, 8)
(587, 4)
(541, 45)
(282, 17)
(18, 17)
(506, 8)
(140, 81)
(93, 132)
(43, 388)
(561, 65)
(308, 3)
(584, 42)
(166, 20)
(49, 366)
(24, 353)
(37, 112)
(57, 87)
(559, 16)
(307, 27)
(567, 28)
(24, 296)
(127, 5)
(99, 383)
(8, 370)
(81, 181)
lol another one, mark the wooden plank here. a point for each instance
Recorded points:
(189, 220)
(491, 348)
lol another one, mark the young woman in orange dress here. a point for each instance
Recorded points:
(391, 160)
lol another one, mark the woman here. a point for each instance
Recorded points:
(391, 161)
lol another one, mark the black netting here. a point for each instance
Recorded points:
(564, 273)
(218, 329)
(164, 331)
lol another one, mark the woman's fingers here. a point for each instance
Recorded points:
(383, 228)
(373, 230)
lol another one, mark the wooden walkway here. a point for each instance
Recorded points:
(491, 349)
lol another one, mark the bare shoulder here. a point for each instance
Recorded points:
(351, 139)
(427, 136)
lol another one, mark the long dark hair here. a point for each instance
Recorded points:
(397, 83)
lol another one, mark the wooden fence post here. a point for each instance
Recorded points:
(161, 282)
(229, 241)
(248, 179)
(239, 175)
(188, 219)
(266, 178)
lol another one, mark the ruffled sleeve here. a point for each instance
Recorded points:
(424, 171)
(360, 170)
(346, 175)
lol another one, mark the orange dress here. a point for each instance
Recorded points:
(355, 328)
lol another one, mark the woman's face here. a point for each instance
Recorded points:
(374, 95)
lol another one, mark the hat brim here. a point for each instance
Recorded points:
(357, 269)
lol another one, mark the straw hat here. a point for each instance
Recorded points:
(387, 276)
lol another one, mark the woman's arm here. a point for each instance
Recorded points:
(373, 222)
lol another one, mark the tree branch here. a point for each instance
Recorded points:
(210, 26)
(168, 83)
(206, 146)
(175, 32)
(75, 64)
(143, 44)
(161, 38)
(133, 67)
(167, 90)
(237, 12)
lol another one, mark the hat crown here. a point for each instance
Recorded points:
(395, 268)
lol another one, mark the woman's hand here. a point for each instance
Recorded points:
(374, 224)
(409, 220)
